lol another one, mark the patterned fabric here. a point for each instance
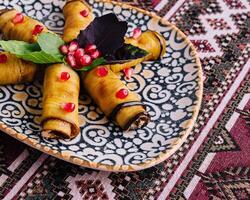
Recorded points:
(214, 161)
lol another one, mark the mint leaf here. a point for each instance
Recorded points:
(40, 57)
(19, 47)
(95, 63)
(45, 51)
(50, 43)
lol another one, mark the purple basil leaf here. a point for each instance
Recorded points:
(106, 32)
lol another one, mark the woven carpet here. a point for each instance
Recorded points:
(213, 163)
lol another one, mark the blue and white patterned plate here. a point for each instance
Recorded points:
(171, 89)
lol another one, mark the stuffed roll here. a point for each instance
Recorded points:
(15, 70)
(78, 15)
(120, 66)
(60, 102)
(114, 98)
(152, 42)
(16, 26)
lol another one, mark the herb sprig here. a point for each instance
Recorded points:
(44, 51)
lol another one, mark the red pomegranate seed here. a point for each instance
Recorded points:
(65, 76)
(95, 54)
(84, 13)
(3, 58)
(71, 60)
(71, 53)
(85, 60)
(68, 107)
(78, 64)
(102, 71)
(90, 48)
(136, 33)
(73, 46)
(122, 93)
(18, 18)
(79, 53)
(128, 72)
(64, 49)
(38, 29)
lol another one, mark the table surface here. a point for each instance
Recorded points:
(213, 162)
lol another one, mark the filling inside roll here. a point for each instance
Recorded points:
(78, 15)
(16, 26)
(60, 102)
(15, 70)
(114, 98)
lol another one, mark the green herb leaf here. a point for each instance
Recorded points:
(19, 47)
(50, 43)
(45, 51)
(40, 57)
(95, 63)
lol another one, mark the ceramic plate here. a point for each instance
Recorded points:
(171, 89)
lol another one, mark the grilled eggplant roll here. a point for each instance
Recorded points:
(150, 41)
(16, 26)
(120, 66)
(114, 98)
(78, 15)
(60, 102)
(14, 70)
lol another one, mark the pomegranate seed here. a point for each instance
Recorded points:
(90, 48)
(136, 33)
(68, 107)
(38, 29)
(65, 76)
(84, 13)
(78, 64)
(18, 18)
(102, 71)
(79, 53)
(73, 46)
(128, 72)
(64, 49)
(71, 60)
(85, 60)
(3, 58)
(71, 53)
(95, 54)
(122, 93)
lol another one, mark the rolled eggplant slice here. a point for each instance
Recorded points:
(58, 122)
(126, 111)
(78, 15)
(120, 66)
(16, 70)
(152, 42)
(24, 30)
